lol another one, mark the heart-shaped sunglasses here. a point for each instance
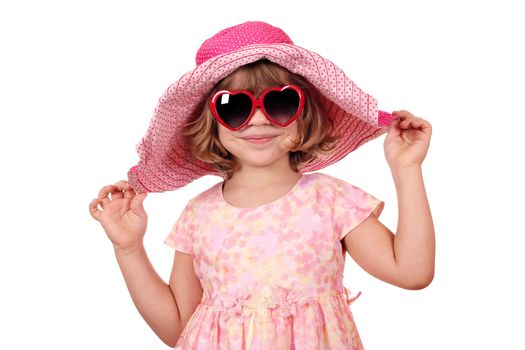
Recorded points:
(234, 108)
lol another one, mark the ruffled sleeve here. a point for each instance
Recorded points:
(352, 205)
(180, 237)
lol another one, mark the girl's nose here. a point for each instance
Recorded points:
(259, 118)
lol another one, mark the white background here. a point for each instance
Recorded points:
(78, 85)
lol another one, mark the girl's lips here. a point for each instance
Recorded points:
(259, 140)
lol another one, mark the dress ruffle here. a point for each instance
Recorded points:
(257, 319)
(267, 302)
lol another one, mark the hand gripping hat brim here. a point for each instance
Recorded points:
(165, 163)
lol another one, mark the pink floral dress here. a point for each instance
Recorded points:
(272, 275)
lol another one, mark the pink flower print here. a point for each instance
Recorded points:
(219, 235)
(247, 279)
(317, 245)
(267, 244)
(361, 212)
(319, 279)
(242, 213)
(304, 262)
(304, 258)
(298, 202)
(286, 209)
(302, 270)
(360, 198)
(322, 213)
(305, 220)
(230, 278)
(286, 235)
(228, 269)
(206, 261)
(294, 234)
(230, 242)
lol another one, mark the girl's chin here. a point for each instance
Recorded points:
(262, 159)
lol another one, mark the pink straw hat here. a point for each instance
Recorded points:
(165, 163)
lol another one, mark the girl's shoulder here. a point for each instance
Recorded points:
(329, 184)
(317, 185)
(323, 180)
(205, 196)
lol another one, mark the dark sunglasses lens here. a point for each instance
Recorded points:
(234, 109)
(282, 105)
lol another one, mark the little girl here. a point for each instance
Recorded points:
(260, 255)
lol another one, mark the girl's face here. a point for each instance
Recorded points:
(258, 154)
(262, 153)
(255, 154)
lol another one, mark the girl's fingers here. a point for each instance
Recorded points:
(415, 122)
(403, 114)
(405, 123)
(93, 209)
(129, 192)
(104, 193)
(121, 184)
(119, 190)
(116, 191)
(407, 119)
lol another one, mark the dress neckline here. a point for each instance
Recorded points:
(287, 194)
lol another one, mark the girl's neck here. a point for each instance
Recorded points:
(260, 177)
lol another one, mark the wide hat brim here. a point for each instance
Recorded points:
(165, 163)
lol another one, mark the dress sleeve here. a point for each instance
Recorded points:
(180, 237)
(352, 205)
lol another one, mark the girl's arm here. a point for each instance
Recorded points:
(151, 295)
(414, 243)
(405, 259)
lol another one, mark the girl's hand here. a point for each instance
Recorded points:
(123, 216)
(407, 141)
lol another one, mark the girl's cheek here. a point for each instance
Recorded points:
(293, 136)
(288, 143)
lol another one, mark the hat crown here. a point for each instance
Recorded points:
(240, 35)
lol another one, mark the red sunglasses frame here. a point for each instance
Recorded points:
(257, 102)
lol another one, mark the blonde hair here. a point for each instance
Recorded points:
(316, 132)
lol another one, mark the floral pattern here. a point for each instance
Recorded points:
(272, 275)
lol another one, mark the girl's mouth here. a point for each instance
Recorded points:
(259, 140)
